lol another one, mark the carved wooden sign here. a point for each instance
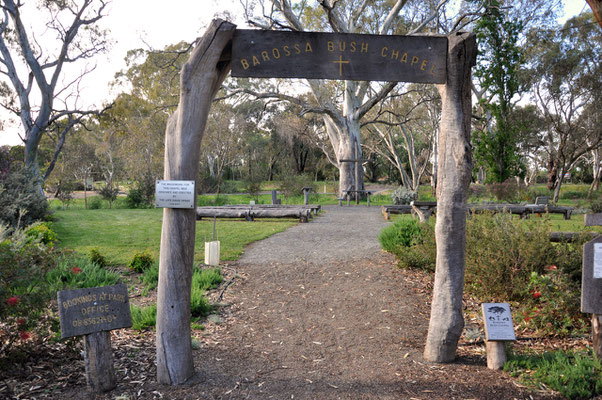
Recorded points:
(313, 55)
(84, 311)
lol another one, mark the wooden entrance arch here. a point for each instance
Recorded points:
(319, 55)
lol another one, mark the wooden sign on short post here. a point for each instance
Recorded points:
(591, 289)
(93, 312)
(499, 329)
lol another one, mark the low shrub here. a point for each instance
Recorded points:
(76, 272)
(21, 202)
(143, 317)
(401, 233)
(141, 261)
(575, 375)
(24, 294)
(401, 195)
(509, 191)
(150, 276)
(412, 243)
(509, 260)
(202, 280)
(95, 257)
(95, 203)
(41, 231)
(292, 185)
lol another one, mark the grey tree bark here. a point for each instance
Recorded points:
(200, 79)
(455, 168)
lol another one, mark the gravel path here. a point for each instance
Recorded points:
(339, 233)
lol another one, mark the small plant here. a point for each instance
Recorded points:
(402, 195)
(95, 257)
(95, 203)
(150, 277)
(141, 261)
(575, 375)
(596, 205)
(24, 294)
(42, 231)
(109, 193)
(143, 317)
(75, 272)
(202, 280)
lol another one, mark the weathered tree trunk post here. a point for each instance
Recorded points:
(597, 335)
(200, 79)
(98, 358)
(455, 168)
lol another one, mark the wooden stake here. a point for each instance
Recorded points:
(496, 354)
(98, 357)
(597, 334)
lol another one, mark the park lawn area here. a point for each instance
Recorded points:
(119, 233)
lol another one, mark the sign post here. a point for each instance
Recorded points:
(591, 289)
(498, 330)
(93, 312)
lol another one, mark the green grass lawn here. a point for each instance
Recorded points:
(119, 233)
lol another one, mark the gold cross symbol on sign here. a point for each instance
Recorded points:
(341, 62)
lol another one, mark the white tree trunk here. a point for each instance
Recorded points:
(455, 168)
(200, 79)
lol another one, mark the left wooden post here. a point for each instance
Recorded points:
(200, 79)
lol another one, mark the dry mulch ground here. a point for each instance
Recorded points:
(316, 312)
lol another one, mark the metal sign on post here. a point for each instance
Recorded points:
(174, 194)
(341, 56)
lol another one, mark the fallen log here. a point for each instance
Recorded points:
(249, 213)
(558, 237)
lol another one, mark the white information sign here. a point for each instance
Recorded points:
(597, 260)
(174, 194)
(498, 321)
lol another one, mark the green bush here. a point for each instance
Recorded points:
(141, 261)
(202, 280)
(575, 375)
(292, 185)
(401, 233)
(143, 317)
(508, 191)
(95, 203)
(501, 253)
(21, 202)
(150, 277)
(41, 231)
(508, 260)
(402, 195)
(76, 272)
(95, 257)
(412, 243)
(24, 294)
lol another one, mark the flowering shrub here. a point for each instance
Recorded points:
(552, 308)
(23, 290)
(508, 191)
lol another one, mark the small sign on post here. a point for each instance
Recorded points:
(174, 194)
(591, 289)
(498, 330)
(93, 312)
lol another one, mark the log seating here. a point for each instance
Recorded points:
(252, 212)
(524, 211)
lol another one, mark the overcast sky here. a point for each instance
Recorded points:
(143, 23)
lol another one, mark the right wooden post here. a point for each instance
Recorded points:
(454, 174)
(591, 289)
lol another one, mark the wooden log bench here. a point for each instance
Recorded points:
(250, 213)
(396, 209)
(523, 211)
(424, 209)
